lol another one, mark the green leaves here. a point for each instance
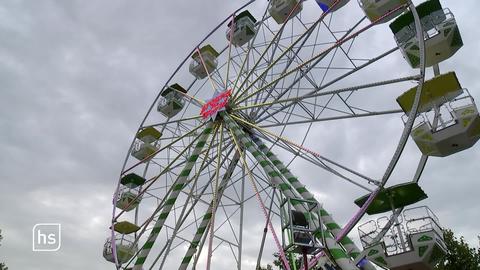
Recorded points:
(2, 265)
(460, 255)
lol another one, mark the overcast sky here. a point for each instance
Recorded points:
(76, 79)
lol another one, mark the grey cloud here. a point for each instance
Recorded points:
(76, 79)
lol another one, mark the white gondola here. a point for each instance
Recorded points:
(125, 248)
(143, 151)
(203, 63)
(128, 199)
(146, 144)
(242, 29)
(442, 36)
(375, 9)
(415, 242)
(449, 121)
(281, 10)
(460, 132)
(171, 100)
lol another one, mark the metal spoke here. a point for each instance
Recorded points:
(252, 180)
(163, 148)
(320, 162)
(303, 149)
(214, 211)
(311, 60)
(335, 118)
(307, 32)
(161, 203)
(249, 50)
(270, 114)
(189, 197)
(326, 93)
(311, 67)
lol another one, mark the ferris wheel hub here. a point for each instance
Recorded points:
(215, 105)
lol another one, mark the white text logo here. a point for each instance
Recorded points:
(47, 237)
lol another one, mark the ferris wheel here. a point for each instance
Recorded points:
(219, 149)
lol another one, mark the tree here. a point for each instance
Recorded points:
(2, 265)
(460, 255)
